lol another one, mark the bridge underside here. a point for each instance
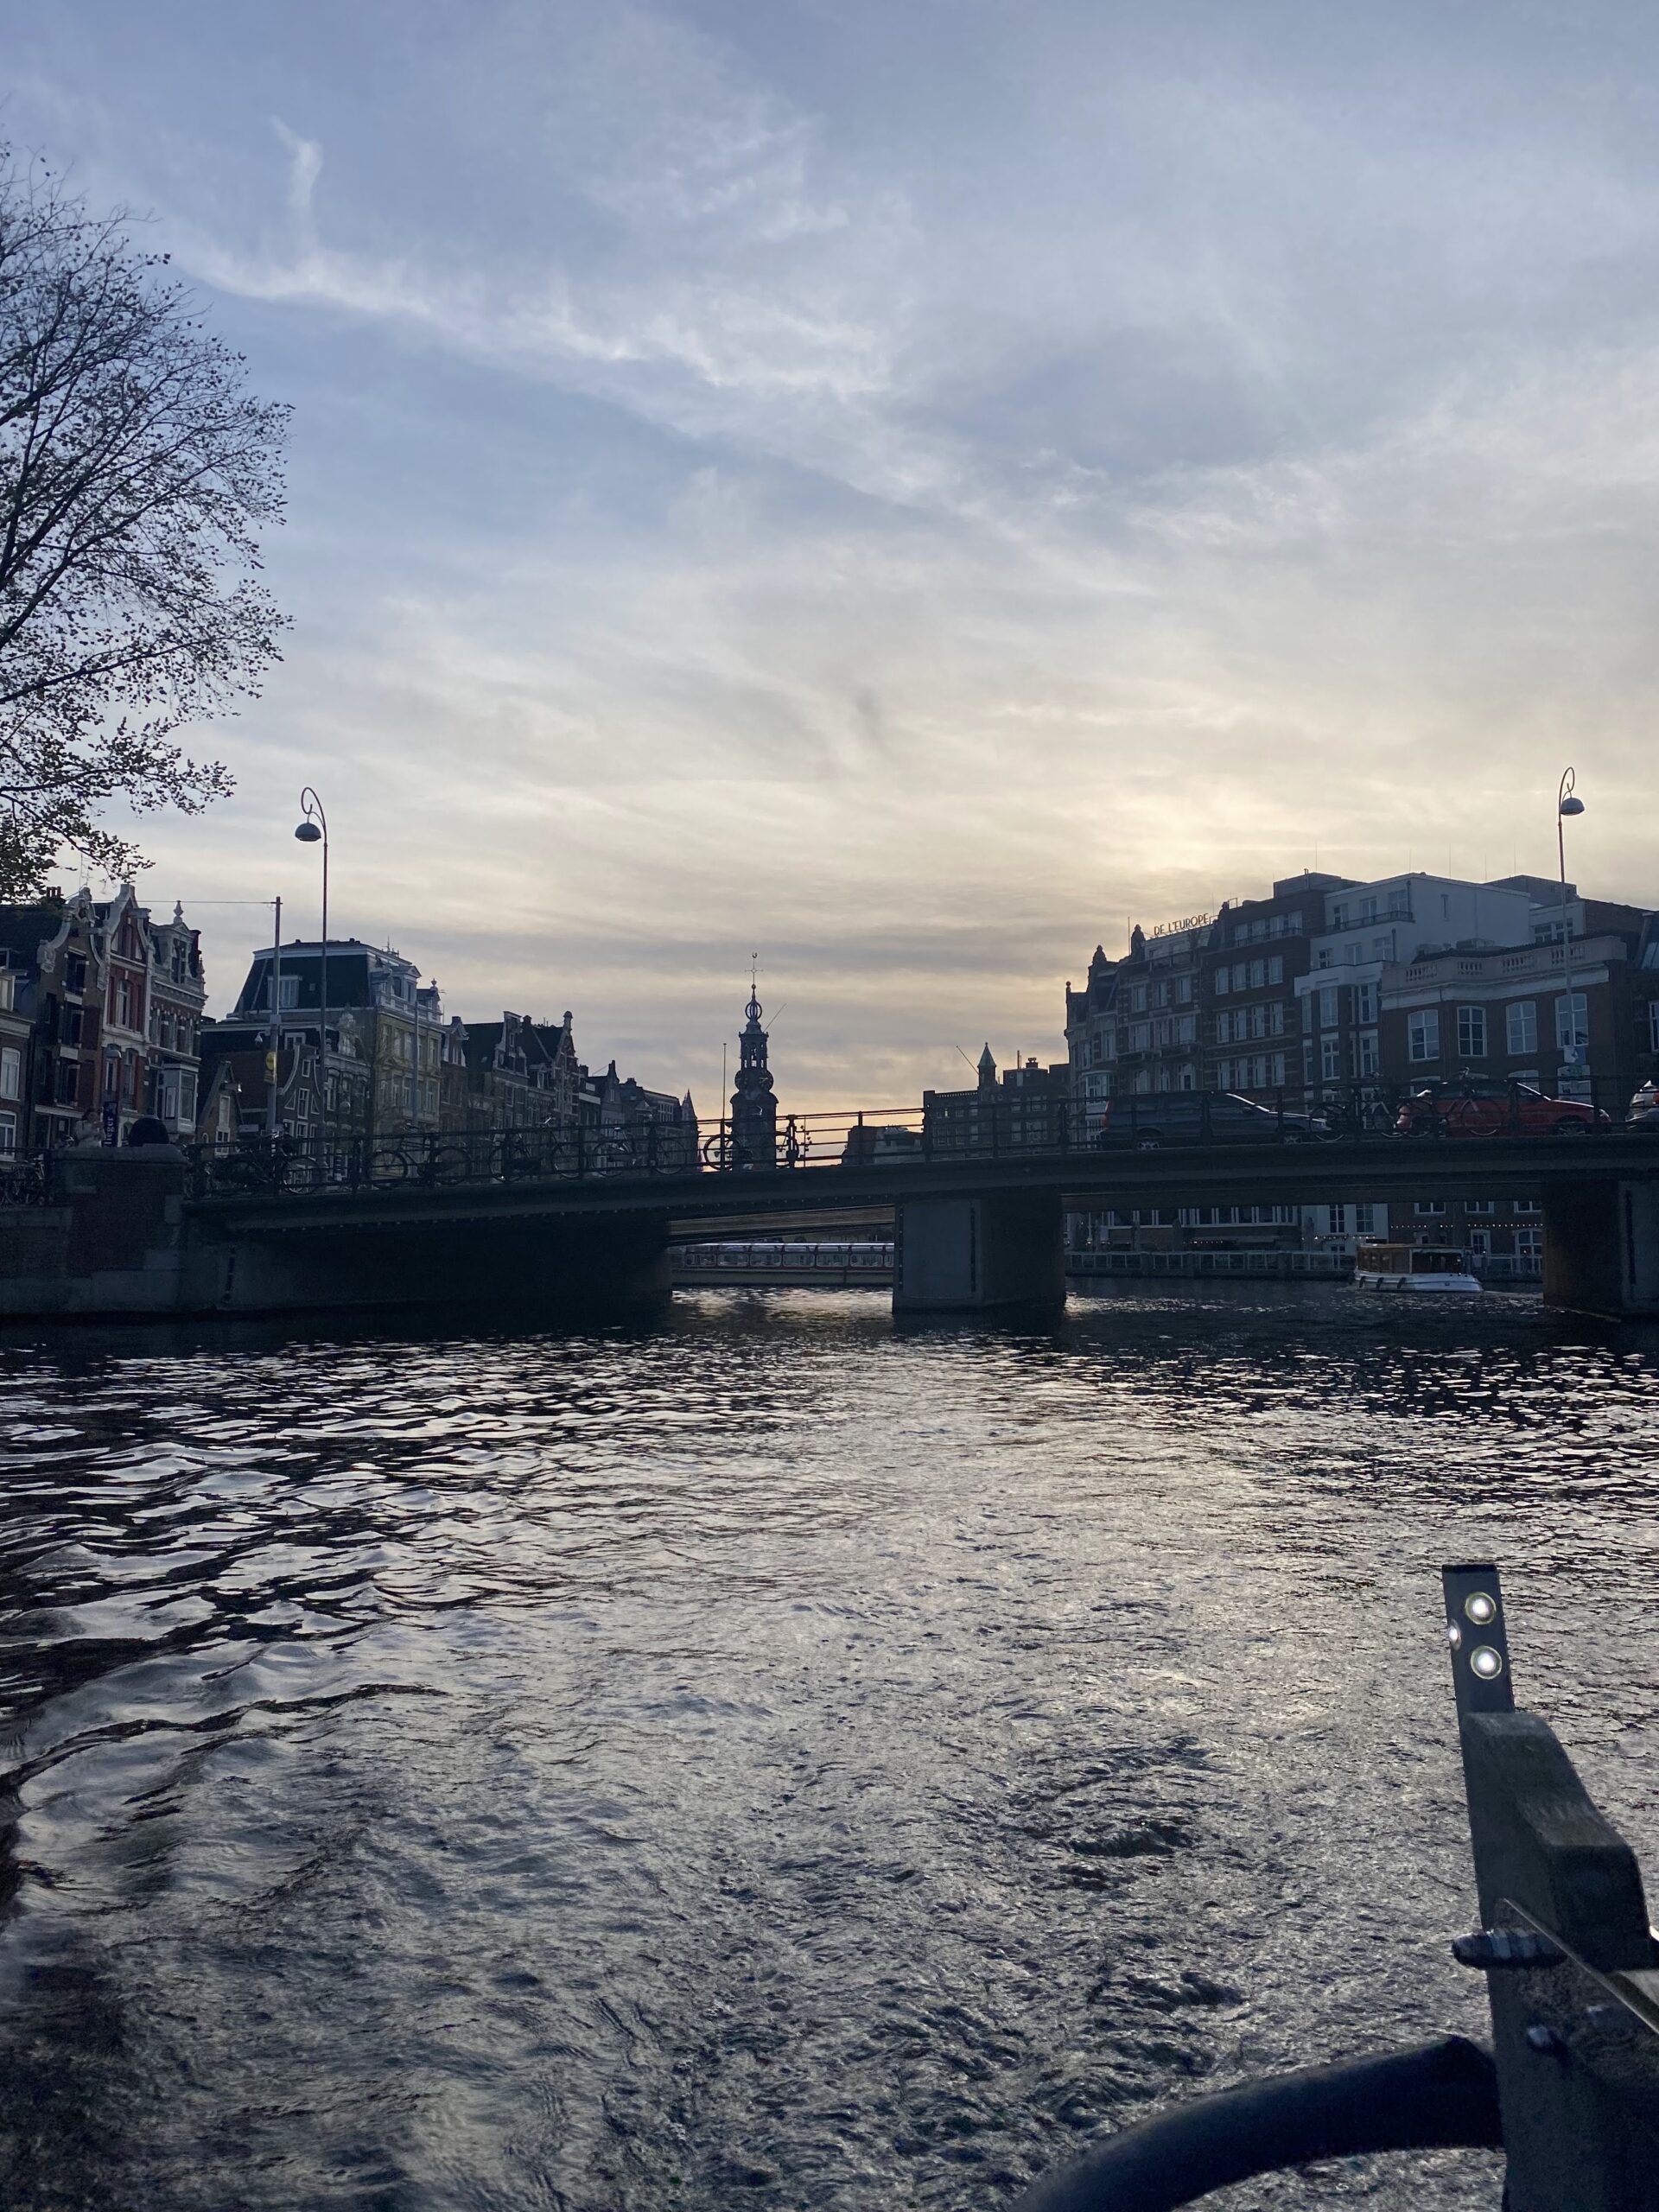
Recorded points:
(528, 1266)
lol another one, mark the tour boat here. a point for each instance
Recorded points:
(1413, 1267)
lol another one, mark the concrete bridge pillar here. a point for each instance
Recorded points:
(1601, 1249)
(976, 1255)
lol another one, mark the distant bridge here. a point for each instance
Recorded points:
(977, 1223)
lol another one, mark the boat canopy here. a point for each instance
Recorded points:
(1411, 1259)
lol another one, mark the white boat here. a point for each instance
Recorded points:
(1416, 1268)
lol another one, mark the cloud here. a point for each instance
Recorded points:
(915, 489)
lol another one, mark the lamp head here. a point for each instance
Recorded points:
(308, 833)
(1570, 806)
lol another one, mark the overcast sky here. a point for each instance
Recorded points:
(907, 486)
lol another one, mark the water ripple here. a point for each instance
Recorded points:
(775, 1758)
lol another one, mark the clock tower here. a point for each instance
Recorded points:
(754, 1109)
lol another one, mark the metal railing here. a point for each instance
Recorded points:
(987, 1128)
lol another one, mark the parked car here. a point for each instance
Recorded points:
(1645, 1109)
(1205, 1117)
(1482, 1106)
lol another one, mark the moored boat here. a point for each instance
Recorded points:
(1414, 1269)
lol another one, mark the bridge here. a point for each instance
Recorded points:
(524, 1218)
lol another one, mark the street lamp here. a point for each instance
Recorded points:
(312, 830)
(1568, 803)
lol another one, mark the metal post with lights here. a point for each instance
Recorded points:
(1563, 1940)
(1566, 802)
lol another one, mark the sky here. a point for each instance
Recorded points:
(906, 488)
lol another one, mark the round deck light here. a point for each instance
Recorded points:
(1481, 1608)
(1486, 1662)
(1455, 1634)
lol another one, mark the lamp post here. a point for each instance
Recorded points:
(1567, 803)
(312, 830)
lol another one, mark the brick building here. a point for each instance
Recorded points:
(1027, 1105)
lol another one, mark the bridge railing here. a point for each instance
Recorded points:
(960, 1127)
(25, 1178)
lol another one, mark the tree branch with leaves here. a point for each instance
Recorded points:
(136, 474)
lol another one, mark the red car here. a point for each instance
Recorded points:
(1479, 1106)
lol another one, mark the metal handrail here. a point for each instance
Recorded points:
(971, 1127)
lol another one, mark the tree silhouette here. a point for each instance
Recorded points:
(135, 471)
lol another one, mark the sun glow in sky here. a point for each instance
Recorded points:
(909, 487)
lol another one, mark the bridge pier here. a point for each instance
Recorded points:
(1601, 1249)
(978, 1254)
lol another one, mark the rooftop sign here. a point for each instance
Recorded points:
(1188, 922)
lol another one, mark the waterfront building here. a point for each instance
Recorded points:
(111, 1002)
(754, 1108)
(1418, 976)
(17, 1055)
(1027, 1105)
(1207, 1003)
(520, 1073)
(51, 952)
(381, 1060)
(178, 992)
(219, 1116)
(237, 1087)
(121, 928)
(624, 1122)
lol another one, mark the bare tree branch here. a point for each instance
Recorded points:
(136, 474)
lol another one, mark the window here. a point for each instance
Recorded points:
(1529, 1243)
(1331, 1060)
(1429, 1206)
(1276, 969)
(1185, 1029)
(1096, 1051)
(8, 1134)
(1471, 1033)
(1364, 1220)
(1520, 1025)
(1184, 990)
(1223, 983)
(1139, 1036)
(1480, 1243)
(1328, 1006)
(1382, 947)
(11, 1072)
(1653, 1025)
(1328, 959)
(1480, 1205)
(1527, 1206)
(1371, 1058)
(1572, 1021)
(1364, 1002)
(1423, 1035)
(1368, 910)
(1334, 1221)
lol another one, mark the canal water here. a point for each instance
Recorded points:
(773, 1758)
